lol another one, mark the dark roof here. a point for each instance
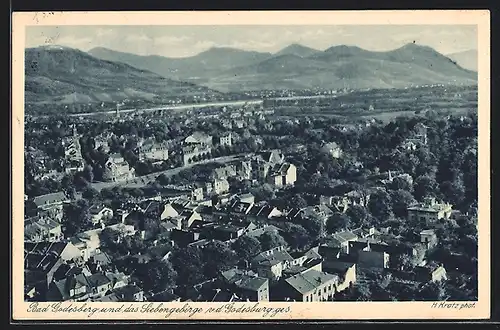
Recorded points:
(164, 296)
(42, 255)
(272, 258)
(66, 270)
(128, 291)
(102, 258)
(339, 267)
(260, 231)
(241, 207)
(327, 250)
(251, 283)
(98, 279)
(227, 228)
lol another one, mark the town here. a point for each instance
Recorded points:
(250, 203)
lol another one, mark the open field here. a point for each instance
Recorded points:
(385, 104)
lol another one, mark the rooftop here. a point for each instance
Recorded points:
(272, 257)
(310, 280)
(251, 283)
(57, 197)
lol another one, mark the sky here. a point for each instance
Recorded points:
(182, 41)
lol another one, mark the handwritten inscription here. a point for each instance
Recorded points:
(162, 309)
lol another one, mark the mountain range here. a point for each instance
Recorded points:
(466, 59)
(301, 67)
(55, 74)
(66, 75)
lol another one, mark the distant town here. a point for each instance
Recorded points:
(253, 201)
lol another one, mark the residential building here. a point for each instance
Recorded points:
(429, 238)
(345, 270)
(199, 138)
(100, 213)
(220, 186)
(310, 286)
(246, 198)
(284, 174)
(130, 292)
(429, 212)
(193, 153)
(87, 287)
(226, 139)
(320, 211)
(51, 205)
(150, 150)
(271, 263)
(432, 272)
(40, 229)
(66, 251)
(197, 193)
(303, 262)
(88, 243)
(117, 169)
(170, 211)
(272, 157)
(263, 211)
(244, 170)
(247, 285)
(259, 231)
(225, 232)
(370, 255)
(239, 207)
(341, 240)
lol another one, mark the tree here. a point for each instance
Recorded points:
(453, 191)
(247, 247)
(152, 224)
(357, 214)
(424, 186)
(160, 276)
(90, 194)
(380, 205)
(400, 182)
(297, 201)
(88, 173)
(76, 217)
(109, 238)
(361, 292)
(270, 240)
(337, 222)
(218, 257)
(402, 261)
(433, 291)
(263, 192)
(314, 225)
(401, 200)
(188, 263)
(296, 236)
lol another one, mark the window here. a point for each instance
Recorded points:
(307, 299)
(324, 290)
